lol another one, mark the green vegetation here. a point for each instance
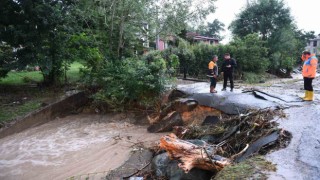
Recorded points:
(110, 43)
(21, 77)
(273, 21)
(253, 168)
(27, 77)
(133, 82)
(16, 110)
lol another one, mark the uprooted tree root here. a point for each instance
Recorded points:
(231, 135)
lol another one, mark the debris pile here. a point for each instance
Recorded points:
(203, 145)
(207, 135)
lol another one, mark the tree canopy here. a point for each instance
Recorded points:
(273, 22)
(212, 29)
(264, 17)
(51, 33)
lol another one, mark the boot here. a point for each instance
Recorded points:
(309, 96)
(211, 89)
(305, 94)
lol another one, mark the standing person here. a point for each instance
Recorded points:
(309, 72)
(227, 71)
(213, 73)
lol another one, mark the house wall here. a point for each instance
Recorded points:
(312, 48)
(161, 45)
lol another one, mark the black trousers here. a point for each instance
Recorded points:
(213, 82)
(227, 76)
(308, 84)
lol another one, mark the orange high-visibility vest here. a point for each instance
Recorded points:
(309, 69)
(211, 65)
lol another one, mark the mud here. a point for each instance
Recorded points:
(72, 146)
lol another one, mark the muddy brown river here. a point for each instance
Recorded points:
(72, 147)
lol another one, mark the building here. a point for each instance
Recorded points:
(205, 39)
(197, 38)
(313, 45)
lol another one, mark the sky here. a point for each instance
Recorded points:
(305, 13)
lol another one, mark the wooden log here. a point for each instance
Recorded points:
(191, 155)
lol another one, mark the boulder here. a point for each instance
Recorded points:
(163, 166)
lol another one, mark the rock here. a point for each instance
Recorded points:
(185, 105)
(173, 172)
(138, 160)
(179, 105)
(163, 166)
(176, 94)
(211, 120)
(167, 123)
(210, 138)
(160, 164)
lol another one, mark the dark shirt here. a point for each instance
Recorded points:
(225, 63)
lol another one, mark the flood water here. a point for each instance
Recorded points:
(71, 146)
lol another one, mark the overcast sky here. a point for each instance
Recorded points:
(306, 14)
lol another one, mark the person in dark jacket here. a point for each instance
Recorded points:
(228, 67)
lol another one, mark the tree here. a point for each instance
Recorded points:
(303, 38)
(6, 59)
(211, 29)
(286, 46)
(122, 25)
(38, 31)
(171, 16)
(264, 17)
(250, 53)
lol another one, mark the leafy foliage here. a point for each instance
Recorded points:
(264, 17)
(37, 31)
(212, 29)
(132, 81)
(251, 54)
(272, 21)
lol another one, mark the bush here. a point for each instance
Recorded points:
(251, 54)
(132, 82)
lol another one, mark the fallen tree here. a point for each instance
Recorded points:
(230, 135)
(191, 155)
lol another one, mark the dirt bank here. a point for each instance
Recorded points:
(71, 146)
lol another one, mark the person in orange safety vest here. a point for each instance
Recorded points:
(213, 73)
(309, 71)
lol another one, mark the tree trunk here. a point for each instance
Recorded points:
(191, 155)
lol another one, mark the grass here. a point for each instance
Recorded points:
(253, 168)
(19, 78)
(18, 98)
(25, 77)
(8, 113)
(73, 74)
